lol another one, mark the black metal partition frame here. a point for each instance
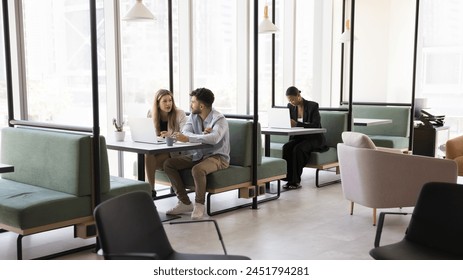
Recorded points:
(256, 103)
(351, 63)
(8, 73)
(171, 51)
(95, 98)
(415, 55)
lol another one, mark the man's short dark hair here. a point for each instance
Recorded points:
(204, 95)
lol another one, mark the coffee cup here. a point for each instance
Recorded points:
(170, 141)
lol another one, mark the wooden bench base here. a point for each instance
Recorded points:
(325, 167)
(25, 232)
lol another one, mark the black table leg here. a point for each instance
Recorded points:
(141, 166)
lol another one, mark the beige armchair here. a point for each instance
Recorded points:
(454, 151)
(381, 179)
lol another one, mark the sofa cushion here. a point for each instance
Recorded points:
(271, 167)
(320, 158)
(121, 185)
(358, 140)
(25, 206)
(389, 141)
(232, 175)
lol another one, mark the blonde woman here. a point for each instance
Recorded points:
(167, 119)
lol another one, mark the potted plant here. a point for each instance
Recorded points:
(119, 134)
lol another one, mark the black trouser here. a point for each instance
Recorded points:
(297, 154)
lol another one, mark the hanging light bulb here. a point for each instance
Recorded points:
(139, 12)
(266, 26)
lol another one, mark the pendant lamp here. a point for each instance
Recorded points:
(139, 12)
(345, 36)
(266, 26)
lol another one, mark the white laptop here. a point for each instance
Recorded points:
(142, 130)
(279, 118)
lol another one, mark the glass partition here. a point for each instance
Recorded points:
(440, 60)
(383, 51)
(215, 51)
(58, 61)
(144, 57)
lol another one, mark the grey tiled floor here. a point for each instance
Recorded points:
(305, 224)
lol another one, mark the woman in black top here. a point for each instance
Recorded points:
(297, 150)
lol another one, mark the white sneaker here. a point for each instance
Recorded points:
(198, 211)
(180, 208)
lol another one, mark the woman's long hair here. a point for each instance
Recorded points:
(172, 125)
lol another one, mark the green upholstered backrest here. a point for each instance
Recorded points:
(55, 160)
(105, 185)
(399, 115)
(335, 122)
(241, 142)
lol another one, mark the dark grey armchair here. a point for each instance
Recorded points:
(435, 231)
(129, 228)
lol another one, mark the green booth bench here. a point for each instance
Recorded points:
(238, 176)
(52, 183)
(335, 122)
(393, 135)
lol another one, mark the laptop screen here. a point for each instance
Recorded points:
(142, 130)
(279, 118)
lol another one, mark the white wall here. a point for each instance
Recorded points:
(401, 45)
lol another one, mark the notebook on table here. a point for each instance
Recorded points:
(279, 118)
(143, 130)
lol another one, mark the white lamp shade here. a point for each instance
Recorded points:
(266, 26)
(345, 37)
(139, 12)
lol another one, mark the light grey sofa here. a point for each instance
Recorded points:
(386, 178)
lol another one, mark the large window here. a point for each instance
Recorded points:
(304, 48)
(440, 60)
(212, 47)
(215, 51)
(58, 61)
(145, 63)
(265, 58)
(144, 57)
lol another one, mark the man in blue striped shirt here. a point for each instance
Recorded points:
(205, 125)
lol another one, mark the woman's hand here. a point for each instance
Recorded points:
(207, 130)
(293, 123)
(163, 134)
